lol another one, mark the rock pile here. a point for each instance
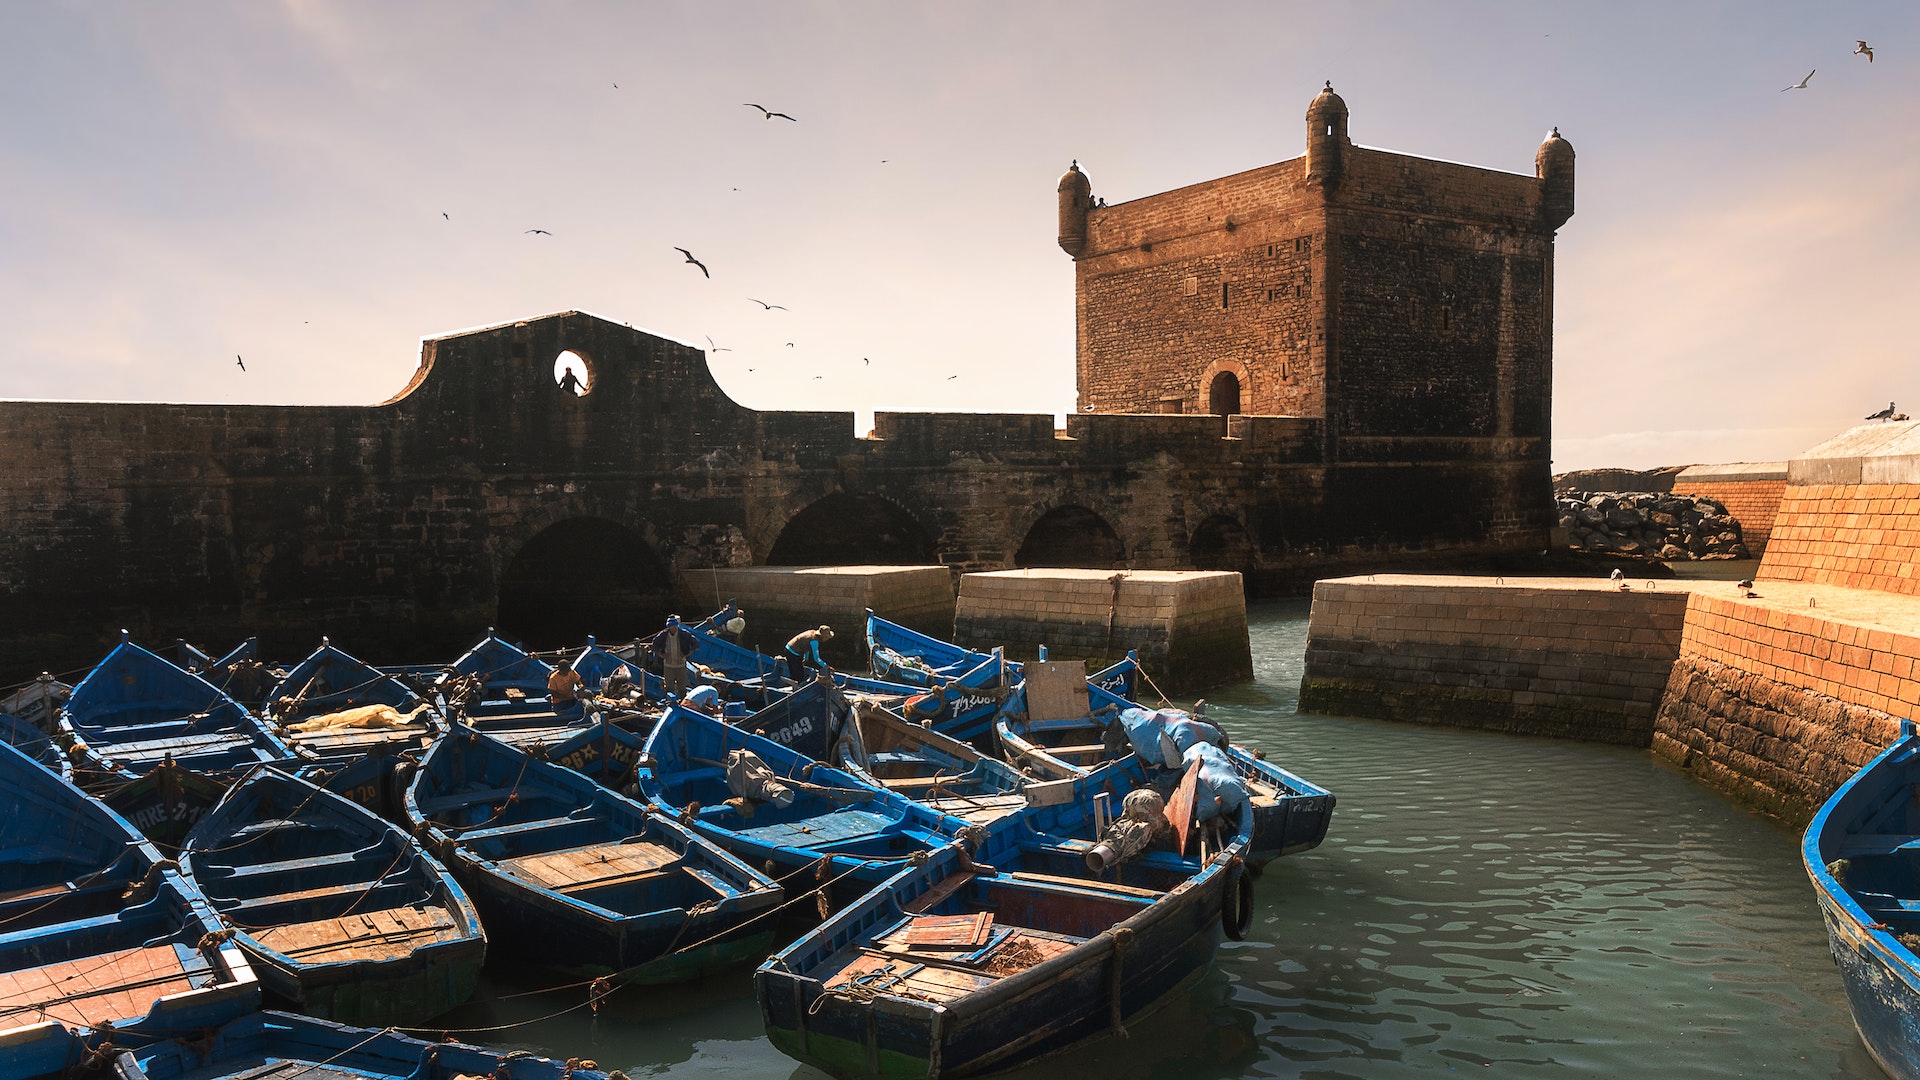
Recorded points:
(1650, 523)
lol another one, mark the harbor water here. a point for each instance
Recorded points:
(1484, 904)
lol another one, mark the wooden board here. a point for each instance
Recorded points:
(114, 986)
(947, 886)
(1056, 689)
(1180, 807)
(375, 935)
(979, 809)
(1081, 883)
(593, 866)
(967, 931)
(921, 982)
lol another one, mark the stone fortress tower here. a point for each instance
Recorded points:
(1391, 296)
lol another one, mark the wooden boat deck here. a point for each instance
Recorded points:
(978, 809)
(295, 1070)
(387, 934)
(92, 990)
(595, 866)
(941, 958)
(836, 827)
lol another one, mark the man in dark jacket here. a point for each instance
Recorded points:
(671, 647)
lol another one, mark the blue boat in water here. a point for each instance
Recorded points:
(1862, 852)
(35, 743)
(572, 876)
(136, 709)
(849, 835)
(499, 688)
(284, 1046)
(989, 958)
(342, 913)
(336, 708)
(96, 930)
(940, 772)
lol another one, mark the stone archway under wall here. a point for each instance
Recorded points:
(1220, 542)
(1228, 396)
(581, 576)
(848, 529)
(1072, 536)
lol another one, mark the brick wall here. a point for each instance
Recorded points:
(1751, 492)
(1863, 536)
(1564, 657)
(1189, 628)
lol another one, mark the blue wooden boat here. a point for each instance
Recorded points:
(342, 913)
(937, 771)
(287, 1047)
(977, 962)
(511, 703)
(332, 683)
(576, 877)
(606, 753)
(95, 928)
(1290, 814)
(239, 674)
(30, 740)
(166, 801)
(135, 710)
(38, 702)
(1862, 851)
(849, 835)
(376, 781)
(965, 687)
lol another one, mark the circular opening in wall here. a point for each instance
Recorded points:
(572, 373)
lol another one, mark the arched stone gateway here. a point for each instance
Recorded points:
(851, 529)
(1223, 395)
(1072, 536)
(583, 576)
(1221, 543)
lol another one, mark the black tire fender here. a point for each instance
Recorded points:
(1236, 903)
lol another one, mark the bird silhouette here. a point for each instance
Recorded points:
(789, 344)
(616, 86)
(541, 232)
(711, 347)
(1747, 584)
(694, 261)
(819, 376)
(237, 360)
(767, 306)
(1801, 85)
(866, 361)
(768, 113)
(443, 214)
(1883, 414)
(950, 378)
(1861, 48)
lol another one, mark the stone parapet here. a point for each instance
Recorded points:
(1574, 658)
(781, 601)
(1189, 627)
(1751, 492)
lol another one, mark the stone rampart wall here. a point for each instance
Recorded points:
(1569, 658)
(1861, 536)
(1750, 492)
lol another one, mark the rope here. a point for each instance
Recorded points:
(75, 886)
(1142, 669)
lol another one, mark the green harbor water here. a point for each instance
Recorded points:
(1484, 904)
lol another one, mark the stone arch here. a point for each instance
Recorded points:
(1223, 394)
(1072, 535)
(844, 529)
(1220, 542)
(1242, 382)
(583, 575)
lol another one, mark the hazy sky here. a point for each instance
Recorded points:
(182, 182)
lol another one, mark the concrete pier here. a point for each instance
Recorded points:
(1189, 627)
(781, 601)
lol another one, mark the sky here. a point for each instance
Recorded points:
(317, 186)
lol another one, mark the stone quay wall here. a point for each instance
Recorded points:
(1751, 492)
(1571, 658)
(1189, 628)
(781, 601)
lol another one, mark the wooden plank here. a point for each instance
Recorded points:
(1056, 689)
(968, 931)
(1078, 883)
(900, 976)
(115, 986)
(947, 886)
(375, 935)
(593, 866)
(1180, 807)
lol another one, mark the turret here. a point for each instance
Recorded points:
(1326, 138)
(1553, 164)
(1076, 198)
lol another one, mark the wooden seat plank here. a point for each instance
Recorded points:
(91, 990)
(384, 934)
(592, 866)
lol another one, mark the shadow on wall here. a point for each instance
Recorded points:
(583, 576)
(851, 530)
(1072, 536)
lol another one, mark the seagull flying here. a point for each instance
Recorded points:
(950, 378)
(1861, 48)
(1883, 414)
(769, 113)
(443, 214)
(694, 261)
(866, 361)
(767, 306)
(1801, 85)
(789, 344)
(541, 232)
(237, 360)
(711, 347)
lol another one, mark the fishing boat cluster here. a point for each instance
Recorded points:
(209, 865)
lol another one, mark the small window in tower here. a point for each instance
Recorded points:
(1273, 294)
(1270, 251)
(1223, 296)
(1329, 129)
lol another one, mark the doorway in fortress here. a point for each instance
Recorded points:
(1223, 395)
(851, 530)
(583, 576)
(1221, 543)
(1072, 536)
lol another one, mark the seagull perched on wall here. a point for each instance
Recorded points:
(694, 261)
(1618, 577)
(1801, 85)
(1861, 48)
(768, 114)
(1883, 414)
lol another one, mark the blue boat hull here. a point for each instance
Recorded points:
(1882, 990)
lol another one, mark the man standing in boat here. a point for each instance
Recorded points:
(563, 687)
(803, 652)
(671, 647)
